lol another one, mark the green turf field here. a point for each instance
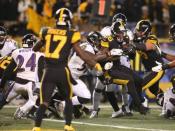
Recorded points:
(151, 122)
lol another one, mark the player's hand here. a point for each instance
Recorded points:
(98, 69)
(157, 68)
(108, 65)
(116, 52)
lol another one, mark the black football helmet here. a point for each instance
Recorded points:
(64, 17)
(28, 41)
(94, 38)
(143, 29)
(118, 30)
(119, 17)
(172, 32)
(3, 35)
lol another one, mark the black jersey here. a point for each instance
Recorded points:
(58, 43)
(4, 62)
(149, 58)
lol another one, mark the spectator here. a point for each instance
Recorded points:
(48, 8)
(22, 8)
(85, 10)
(132, 9)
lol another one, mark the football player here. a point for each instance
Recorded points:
(7, 45)
(167, 101)
(121, 74)
(169, 57)
(25, 62)
(147, 47)
(58, 42)
(78, 68)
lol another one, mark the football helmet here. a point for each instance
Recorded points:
(143, 29)
(64, 17)
(3, 35)
(172, 32)
(119, 17)
(118, 30)
(94, 38)
(28, 41)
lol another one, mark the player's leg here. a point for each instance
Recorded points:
(125, 100)
(151, 83)
(9, 95)
(46, 90)
(113, 100)
(99, 87)
(65, 87)
(81, 92)
(23, 110)
(120, 77)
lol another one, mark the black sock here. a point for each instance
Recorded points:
(39, 115)
(68, 112)
(112, 100)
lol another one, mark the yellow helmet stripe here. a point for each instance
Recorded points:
(61, 15)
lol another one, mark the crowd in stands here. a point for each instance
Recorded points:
(159, 12)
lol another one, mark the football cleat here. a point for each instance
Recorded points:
(68, 128)
(94, 113)
(19, 114)
(36, 129)
(117, 113)
(126, 110)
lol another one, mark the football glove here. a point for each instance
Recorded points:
(108, 65)
(116, 52)
(158, 67)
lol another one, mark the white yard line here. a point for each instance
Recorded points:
(102, 106)
(109, 126)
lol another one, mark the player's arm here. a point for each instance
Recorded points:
(38, 45)
(150, 44)
(40, 67)
(169, 57)
(99, 56)
(8, 73)
(84, 55)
